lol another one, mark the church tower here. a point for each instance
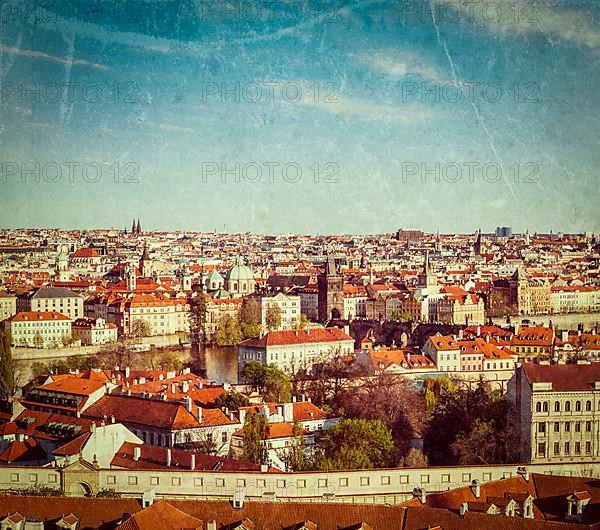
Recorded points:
(427, 282)
(331, 292)
(130, 278)
(62, 265)
(477, 247)
(146, 264)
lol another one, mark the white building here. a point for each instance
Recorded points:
(289, 307)
(292, 350)
(94, 331)
(56, 299)
(39, 329)
(557, 412)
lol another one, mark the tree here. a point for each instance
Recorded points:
(140, 328)
(485, 444)
(38, 340)
(415, 458)
(356, 444)
(303, 322)
(7, 376)
(198, 318)
(228, 331)
(273, 317)
(269, 380)
(249, 318)
(392, 399)
(457, 416)
(232, 400)
(256, 431)
(294, 456)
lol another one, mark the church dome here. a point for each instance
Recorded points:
(239, 273)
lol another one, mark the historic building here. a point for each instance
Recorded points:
(52, 299)
(331, 292)
(39, 329)
(240, 280)
(557, 412)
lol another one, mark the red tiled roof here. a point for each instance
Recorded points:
(35, 316)
(564, 377)
(299, 336)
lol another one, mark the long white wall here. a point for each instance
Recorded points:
(372, 486)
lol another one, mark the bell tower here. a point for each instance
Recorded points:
(331, 292)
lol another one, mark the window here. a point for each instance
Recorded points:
(568, 406)
(588, 406)
(385, 481)
(556, 426)
(588, 448)
(542, 448)
(198, 482)
(545, 406)
(446, 478)
(567, 448)
(466, 477)
(52, 479)
(261, 483)
(424, 479)
(220, 482)
(33, 477)
(538, 406)
(556, 448)
(578, 406)
(241, 483)
(487, 476)
(281, 483)
(301, 483)
(154, 481)
(111, 479)
(542, 427)
(132, 481)
(404, 479)
(175, 481)
(322, 483)
(557, 406)
(577, 448)
(343, 482)
(588, 426)
(364, 481)
(577, 426)
(567, 426)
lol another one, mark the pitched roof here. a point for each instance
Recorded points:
(161, 515)
(299, 336)
(168, 415)
(564, 377)
(35, 316)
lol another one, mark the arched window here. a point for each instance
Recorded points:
(557, 406)
(578, 406)
(538, 406)
(588, 406)
(568, 406)
(545, 406)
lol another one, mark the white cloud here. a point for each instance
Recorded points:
(526, 17)
(32, 54)
(400, 64)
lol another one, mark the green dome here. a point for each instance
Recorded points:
(239, 273)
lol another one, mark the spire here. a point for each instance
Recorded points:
(330, 268)
(133, 227)
(138, 228)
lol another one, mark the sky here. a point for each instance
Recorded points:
(305, 116)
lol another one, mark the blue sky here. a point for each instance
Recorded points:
(393, 97)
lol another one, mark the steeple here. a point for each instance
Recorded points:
(138, 228)
(477, 247)
(133, 227)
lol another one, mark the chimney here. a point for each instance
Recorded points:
(419, 493)
(185, 387)
(264, 468)
(478, 330)
(211, 525)
(293, 399)
(564, 336)
(93, 427)
(173, 388)
(464, 508)
(199, 414)
(137, 453)
(288, 412)
(242, 416)
(188, 403)
(193, 462)
(460, 334)
(168, 457)
(127, 372)
(112, 419)
(476, 488)
(524, 472)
